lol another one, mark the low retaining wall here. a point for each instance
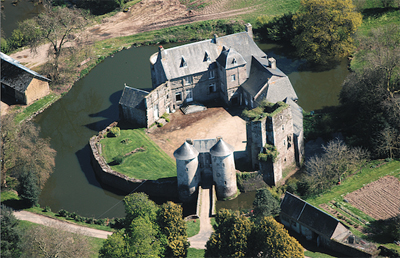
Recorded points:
(164, 187)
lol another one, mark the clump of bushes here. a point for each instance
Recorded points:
(126, 141)
(118, 160)
(269, 153)
(166, 117)
(114, 132)
(117, 223)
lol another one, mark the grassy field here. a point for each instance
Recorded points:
(193, 227)
(151, 164)
(95, 243)
(36, 106)
(195, 253)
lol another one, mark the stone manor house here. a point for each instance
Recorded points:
(233, 69)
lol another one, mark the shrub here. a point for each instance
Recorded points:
(269, 153)
(160, 124)
(63, 213)
(114, 132)
(47, 209)
(118, 159)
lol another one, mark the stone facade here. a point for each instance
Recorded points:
(205, 162)
(275, 128)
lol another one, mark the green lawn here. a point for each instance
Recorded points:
(195, 253)
(317, 254)
(36, 106)
(151, 164)
(193, 227)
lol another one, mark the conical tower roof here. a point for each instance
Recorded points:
(186, 152)
(221, 149)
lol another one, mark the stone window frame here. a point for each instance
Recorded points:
(211, 74)
(178, 93)
(233, 77)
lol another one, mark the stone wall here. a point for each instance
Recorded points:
(158, 102)
(165, 187)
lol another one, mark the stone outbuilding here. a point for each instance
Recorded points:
(20, 83)
(205, 162)
(320, 227)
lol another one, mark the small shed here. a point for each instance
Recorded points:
(20, 83)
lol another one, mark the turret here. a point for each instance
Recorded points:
(186, 167)
(224, 173)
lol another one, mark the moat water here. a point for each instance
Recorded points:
(92, 104)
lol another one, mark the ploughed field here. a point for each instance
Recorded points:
(139, 157)
(379, 199)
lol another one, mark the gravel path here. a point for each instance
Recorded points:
(43, 220)
(199, 241)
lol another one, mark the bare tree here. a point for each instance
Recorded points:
(53, 240)
(22, 148)
(57, 26)
(388, 142)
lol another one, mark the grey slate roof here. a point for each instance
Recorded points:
(221, 149)
(194, 54)
(134, 98)
(230, 59)
(186, 152)
(309, 215)
(15, 75)
(203, 146)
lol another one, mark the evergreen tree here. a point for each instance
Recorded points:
(28, 188)
(270, 239)
(230, 237)
(174, 228)
(10, 234)
(265, 204)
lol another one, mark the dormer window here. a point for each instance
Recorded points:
(183, 62)
(212, 74)
(206, 57)
(234, 61)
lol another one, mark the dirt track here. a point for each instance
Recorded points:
(145, 16)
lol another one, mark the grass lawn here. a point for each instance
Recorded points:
(150, 164)
(195, 253)
(317, 254)
(193, 227)
(36, 106)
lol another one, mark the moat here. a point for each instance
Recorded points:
(92, 104)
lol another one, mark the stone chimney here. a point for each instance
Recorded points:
(272, 62)
(161, 51)
(215, 38)
(249, 29)
(190, 141)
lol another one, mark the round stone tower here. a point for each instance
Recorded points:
(186, 167)
(224, 173)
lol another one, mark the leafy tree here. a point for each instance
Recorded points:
(24, 149)
(265, 204)
(394, 227)
(174, 228)
(280, 28)
(57, 26)
(139, 205)
(325, 29)
(114, 246)
(142, 239)
(230, 237)
(53, 240)
(28, 188)
(10, 234)
(270, 239)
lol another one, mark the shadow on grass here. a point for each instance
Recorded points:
(376, 12)
(16, 204)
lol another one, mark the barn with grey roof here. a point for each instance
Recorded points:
(20, 83)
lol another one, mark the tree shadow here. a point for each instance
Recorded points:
(377, 12)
